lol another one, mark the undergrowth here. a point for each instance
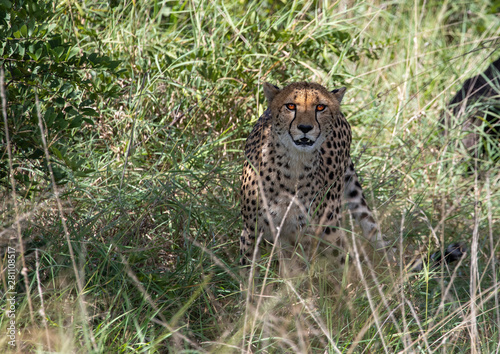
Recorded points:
(129, 243)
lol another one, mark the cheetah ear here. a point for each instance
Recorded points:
(270, 91)
(339, 93)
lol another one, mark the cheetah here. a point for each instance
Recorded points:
(297, 172)
(297, 175)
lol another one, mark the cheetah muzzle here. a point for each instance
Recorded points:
(304, 142)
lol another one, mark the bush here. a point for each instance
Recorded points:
(48, 69)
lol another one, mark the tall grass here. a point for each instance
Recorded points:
(141, 254)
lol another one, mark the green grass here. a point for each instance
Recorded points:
(153, 229)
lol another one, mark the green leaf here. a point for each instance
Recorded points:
(93, 58)
(32, 55)
(59, 51)
(5, 4)
(84, 173)
(72, 52)
(62, 124)
(31, 28)
(113, 64)
(50, 117)
(66, 88)
(38, 53)
(51, 27)
(60, 102)
(76, 122)
(24, 31)
(90, 112)
(56, 152)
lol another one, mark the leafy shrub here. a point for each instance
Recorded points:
(40, 63)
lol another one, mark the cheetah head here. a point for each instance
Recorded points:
(303, 113)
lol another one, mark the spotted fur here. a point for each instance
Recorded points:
(297, 173)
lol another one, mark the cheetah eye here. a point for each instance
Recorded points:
(290, 106)
(320, 107)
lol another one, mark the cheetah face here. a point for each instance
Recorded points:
(303, 120)
(302, 114)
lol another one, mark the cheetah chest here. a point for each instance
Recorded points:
(293, 187)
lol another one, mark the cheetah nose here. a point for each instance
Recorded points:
(305, 128)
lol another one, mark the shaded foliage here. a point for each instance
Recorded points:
(42, 63)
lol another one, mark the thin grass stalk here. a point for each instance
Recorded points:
(79, 280)
(402, 276)
(132, 131)
(378, 286)
(474, 271)
(493, 257)
(42, 307)
(163, 321)
(314, 316)
(423, 334)
(375, 313)
(24, 271)
(254, 260)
